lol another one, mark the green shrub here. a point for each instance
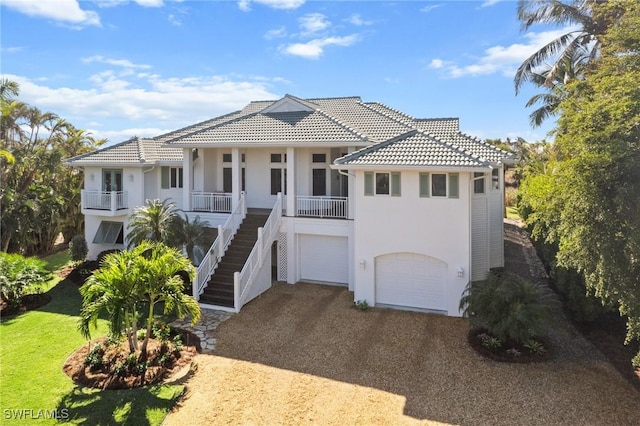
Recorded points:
(94, 357)
(510, 196)
(508, 307)
(104, 254)
(78, 248)
(19, 274)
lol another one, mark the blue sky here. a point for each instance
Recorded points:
(122, 68)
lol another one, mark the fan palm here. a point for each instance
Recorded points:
(155, 221)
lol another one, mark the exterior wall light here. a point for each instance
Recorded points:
(362, 263)
(460, 272)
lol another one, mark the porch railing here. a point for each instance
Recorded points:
(217, 202)
(219, 247)
(104, 200)
(244, 280)
(331, 207)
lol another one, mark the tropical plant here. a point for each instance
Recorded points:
(582, 37)
(19, 274)
(134, 281)
(191, 235)
(78, 248)
(113, 290)
(508, 307)
(163, 284)
(155, 221)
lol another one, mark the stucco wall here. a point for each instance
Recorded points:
(436, 227)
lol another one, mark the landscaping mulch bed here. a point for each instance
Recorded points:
(28, 302)
(79, 274)
(510, 351)
(102, 378)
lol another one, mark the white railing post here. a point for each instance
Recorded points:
(221, 236)
(113, 201)
(236, 291)
(259, 243)
(195, 286)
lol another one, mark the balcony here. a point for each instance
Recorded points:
(212, 202)
(104, 203)
(322, 207)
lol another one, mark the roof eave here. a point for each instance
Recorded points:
(295, 144)
(378, 167)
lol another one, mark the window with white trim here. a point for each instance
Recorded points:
(109, 233)
(478, 183)
(382, 183)
(439, 185)
(495, 179)
(171, 177)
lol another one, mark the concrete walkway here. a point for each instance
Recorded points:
(205, 328)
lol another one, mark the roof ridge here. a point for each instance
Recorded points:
(164, 135)
(454, 146)
(397, 111)
(329, 98)
(484, 143)
(378, 145)
(384, 114)
(437, 118)
(213, 127)
(343, 124)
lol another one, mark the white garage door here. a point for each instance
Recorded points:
(412, 280)
(324, 258)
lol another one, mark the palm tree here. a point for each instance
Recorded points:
(162, 283)
(572, 69)
(155, 221)
(113, 289)
(554, 56)
(190, 235)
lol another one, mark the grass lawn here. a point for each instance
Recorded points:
(34, 346)
(57, 260)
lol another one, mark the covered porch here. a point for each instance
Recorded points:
(219, 175)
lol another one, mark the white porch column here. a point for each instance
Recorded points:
(291, 181)
(236, 184)
(187, 178)
(351, 199)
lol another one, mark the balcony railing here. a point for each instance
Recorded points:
(214, 202)
(324, 207)
(104, 200)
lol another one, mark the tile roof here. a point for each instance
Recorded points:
(343, 120)
(275, 128)
(414, 149)
(135, 151)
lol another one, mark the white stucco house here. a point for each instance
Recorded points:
(403, 211)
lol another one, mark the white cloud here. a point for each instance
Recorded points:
(245, 5)
(124, 63)
(61, 11)
(13, 49)
(315, 48)
(143, 3)
(150, 3)
(357, 20)
(429, 8)
(276, 33)
(313, 22)
(499, 59)
(490, 3)
(143, 101)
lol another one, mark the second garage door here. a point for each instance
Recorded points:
(411, 280)
(324, 258)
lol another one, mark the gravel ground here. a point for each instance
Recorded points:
(303, 354)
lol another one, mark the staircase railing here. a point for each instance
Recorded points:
(219, 247)
(243, 280)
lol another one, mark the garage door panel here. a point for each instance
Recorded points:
(324, 258)
(412, 280)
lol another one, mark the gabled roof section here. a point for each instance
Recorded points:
(135, 151)
(275, 128)
(412, 149)
(290, 103)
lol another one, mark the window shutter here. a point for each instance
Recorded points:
(164, 177)
(368, 183)
(453, 185)
(424, 184)
(395, 184)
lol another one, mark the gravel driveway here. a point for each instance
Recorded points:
(303, 354)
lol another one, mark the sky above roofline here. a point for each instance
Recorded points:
(142, 68)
